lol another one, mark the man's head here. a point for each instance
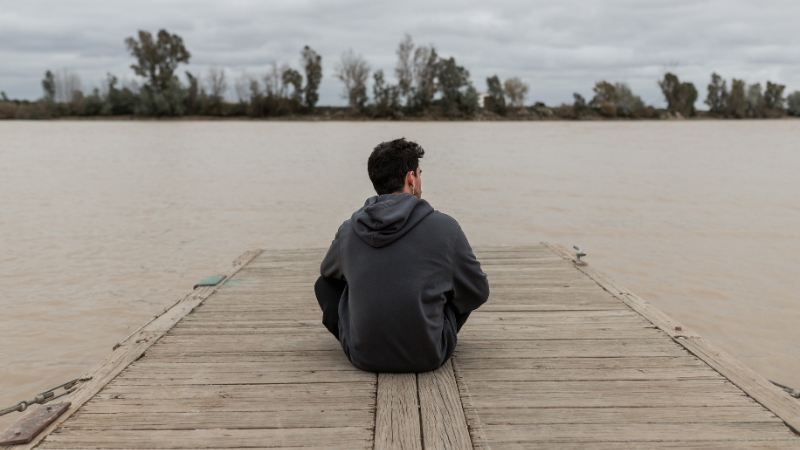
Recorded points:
(394, 167)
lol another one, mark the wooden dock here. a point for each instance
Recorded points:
(559, 357)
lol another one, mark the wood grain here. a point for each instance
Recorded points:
(397, 418)
(443, 423)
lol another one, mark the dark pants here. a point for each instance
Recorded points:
(329, 293)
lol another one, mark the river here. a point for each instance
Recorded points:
(104, 223)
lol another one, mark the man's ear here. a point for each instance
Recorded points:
(411, 178)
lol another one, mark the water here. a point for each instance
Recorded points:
(102, 224)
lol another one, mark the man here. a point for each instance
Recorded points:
(399, 279)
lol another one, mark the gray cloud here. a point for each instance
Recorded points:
(557, 47)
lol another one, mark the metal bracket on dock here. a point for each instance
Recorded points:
(210, 281)
(578, 253)
(32, 423)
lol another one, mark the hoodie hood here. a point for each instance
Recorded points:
(385, 218)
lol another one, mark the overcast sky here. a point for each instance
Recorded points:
(557, 47)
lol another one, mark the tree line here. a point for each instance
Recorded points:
(427, 86)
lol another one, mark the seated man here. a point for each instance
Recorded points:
(399, 279)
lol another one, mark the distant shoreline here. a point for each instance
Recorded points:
(337, 114)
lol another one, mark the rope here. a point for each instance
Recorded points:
(793, 392)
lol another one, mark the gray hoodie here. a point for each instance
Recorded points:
(412, 280)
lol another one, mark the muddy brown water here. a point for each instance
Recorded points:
(103, 224)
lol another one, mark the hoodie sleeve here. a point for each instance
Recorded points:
(469, 282)
(331, 266)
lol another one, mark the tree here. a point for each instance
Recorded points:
(66, 83)
(273, 81)
(241, 86)
(605, 98)
(353, 71)
(453, 82)
(755, 101)
(793, 101)
(516, 91)
(496, 97)
(256, 98)
(157, 60)
(216, 83)
(717, 98)
(773, 96)
(193, 94)
(386, 96)
(49, 86)
(737, 100)
(312, 63)
(680, 97)
(404, 70)
(118, 101)
(579, 104)
(425, 66)
(627, 103)
(291, 77)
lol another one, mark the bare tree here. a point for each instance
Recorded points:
(515, 90)
(67, 83)
(272, 80)
(216, 82)
(405, 66)
(353, 71)
(242, 87)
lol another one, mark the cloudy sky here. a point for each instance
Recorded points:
(557, 47)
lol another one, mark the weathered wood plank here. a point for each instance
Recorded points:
(687, 361)
(443, 423)
(570, 348)
(640, 415)
(636, 432)
(222, 378)
(285, 418)
(397, 417)
(628, 374)
(218, 438)
(116, 391)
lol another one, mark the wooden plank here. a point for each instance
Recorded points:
(474, 424)
(266, 392)
(134, 347)
(223, 378)
(218, 438)
(300, 401)
(286, 418)
(443, 423)
(624, 374)
(327, 361)
(626, 362)
(397, 419)
(642, 415)
(589, 394)
(637, 432)
(756, 386)
(236, 357)
(569, 348)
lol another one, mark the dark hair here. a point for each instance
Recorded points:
(390, 162)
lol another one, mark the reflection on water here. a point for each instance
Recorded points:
(104, 223)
